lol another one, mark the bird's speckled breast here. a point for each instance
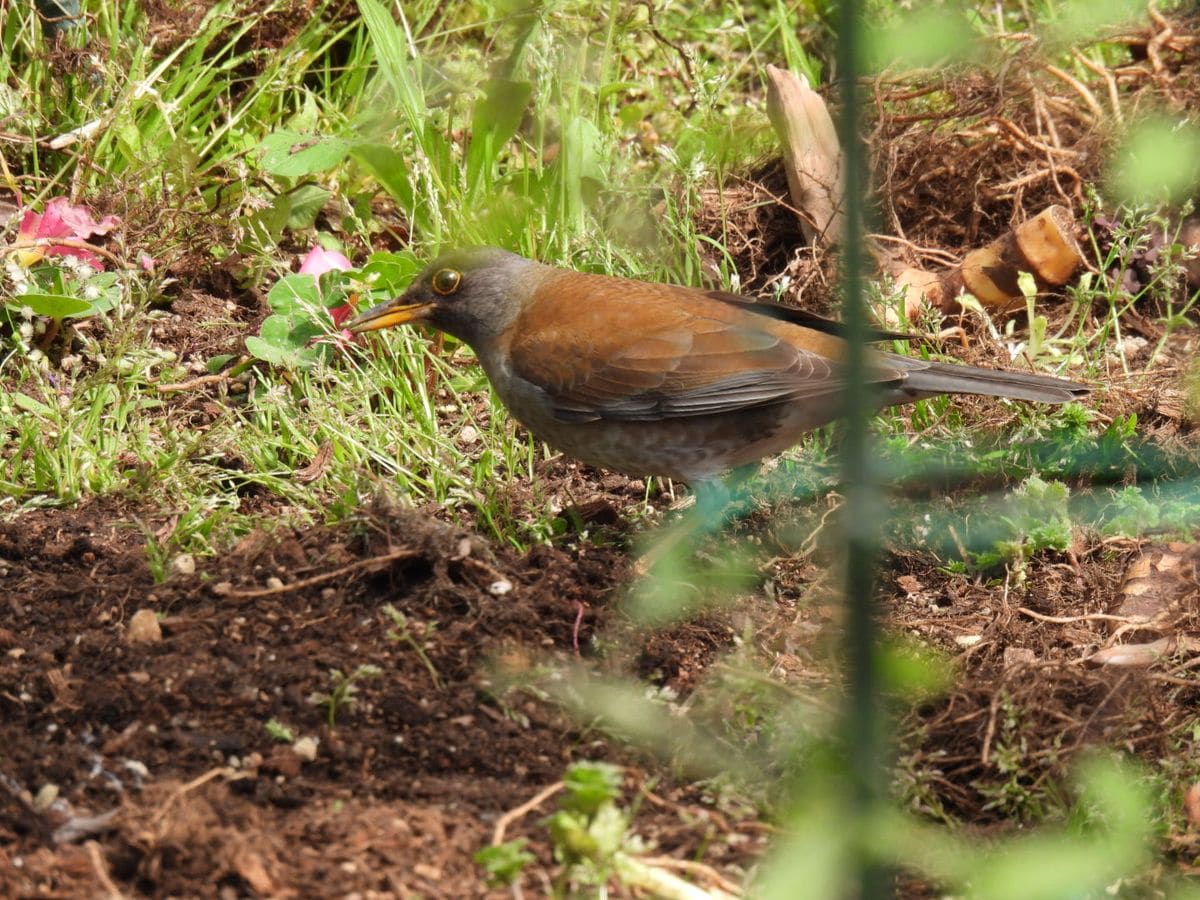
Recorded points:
(689, 448)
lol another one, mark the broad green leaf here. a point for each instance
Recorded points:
(27, 403)
(277, 331)
(925, 37)
(1159, 159)
(292, 154)
(305, 203)
(267, 352)
(497, 117)
(57, 306)
(1088, 20)
(579, 167)
(390, 169)
(218, 362)
(392, 271)
(616, 87)
(294, 293)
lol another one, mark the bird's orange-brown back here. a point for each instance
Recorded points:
(574, 325)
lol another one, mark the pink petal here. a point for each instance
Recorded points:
(76, 219)
(79, 253)
(318, 261)
(340, 314)
(30, 223)
(146, 261)
(51, 224)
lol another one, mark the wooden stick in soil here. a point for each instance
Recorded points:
(1044, 246)
(812, 155)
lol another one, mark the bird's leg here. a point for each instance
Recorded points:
(714, 497)
(729, 491)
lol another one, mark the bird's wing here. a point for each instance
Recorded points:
(803, 317)
(627, 351)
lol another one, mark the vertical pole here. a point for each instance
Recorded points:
(864, 733)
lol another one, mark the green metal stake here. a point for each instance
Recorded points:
(864, 730)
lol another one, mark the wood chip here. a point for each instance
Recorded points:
(1142, 656)
(812, 154)
(1191, 804)
(319, 464)
(1015, 657)
(1158, 581)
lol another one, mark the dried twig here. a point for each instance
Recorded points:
(1114, 97)
(695, 868)
(193, 383)
(1080, 88)
(100, 867)
(528, 806)
(1069, 620)
(182, 791)
(224, 590)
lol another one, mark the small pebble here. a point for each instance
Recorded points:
(500, 588)
(143, 628)
(306, 748)
(184, 564)
(46, 796)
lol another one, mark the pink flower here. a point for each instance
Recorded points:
(62, 219)
(340, 314)
(146, 261)
(317, 262)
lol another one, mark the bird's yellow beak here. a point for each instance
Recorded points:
(388, 314)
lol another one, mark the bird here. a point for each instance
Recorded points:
(658, 379)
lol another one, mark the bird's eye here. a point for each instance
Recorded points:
(446, 281)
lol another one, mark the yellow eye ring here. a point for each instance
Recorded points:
(445, 281)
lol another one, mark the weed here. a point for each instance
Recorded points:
(401, 631)
(1034, 517)
(503, 863)
(279, 732)
(1014, 792)
(342, 695)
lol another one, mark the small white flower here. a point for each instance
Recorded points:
(16, 274)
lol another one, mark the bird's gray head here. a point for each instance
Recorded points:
(472, 294)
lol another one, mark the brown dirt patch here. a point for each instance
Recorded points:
(170, 735)
(149, 768)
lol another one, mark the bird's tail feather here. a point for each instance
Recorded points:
(929, 378)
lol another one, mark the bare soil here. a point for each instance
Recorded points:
(165, 778)
(137, 761)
